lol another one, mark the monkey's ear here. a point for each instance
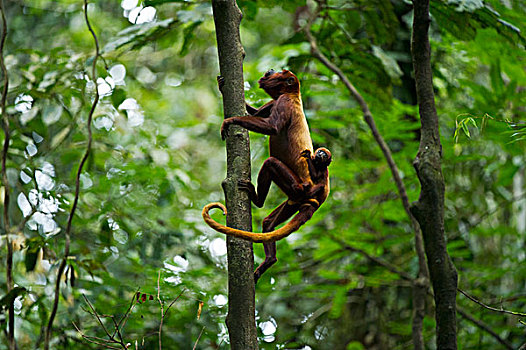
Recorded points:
(290, 81)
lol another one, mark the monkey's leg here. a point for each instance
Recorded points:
(273, 170)
(278, 216)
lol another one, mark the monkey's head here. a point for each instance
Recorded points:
(278, 83)
(322, 158)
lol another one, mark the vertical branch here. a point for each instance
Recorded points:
(162, 309)
(7, 137)
(420, 284)
(77, 183)
(429, 209)
(241, 291)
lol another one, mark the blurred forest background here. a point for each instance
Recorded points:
(157, 158)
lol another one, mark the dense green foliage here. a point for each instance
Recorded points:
(157, 158)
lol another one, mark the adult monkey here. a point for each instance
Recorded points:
(283, 119)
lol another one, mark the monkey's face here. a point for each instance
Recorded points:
(278, 83)
(322, 157)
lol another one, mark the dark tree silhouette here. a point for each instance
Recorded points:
(429, 209)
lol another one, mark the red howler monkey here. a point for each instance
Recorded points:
(303, 198)
(283, 119)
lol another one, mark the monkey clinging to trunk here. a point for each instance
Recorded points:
(303, 176)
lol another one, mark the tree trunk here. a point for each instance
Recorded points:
(429, 209)
(240, 320)
(6, 225)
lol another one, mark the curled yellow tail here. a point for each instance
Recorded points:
(255, 237)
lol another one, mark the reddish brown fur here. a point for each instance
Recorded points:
(304, 180)
(303, 198)
(286, 125)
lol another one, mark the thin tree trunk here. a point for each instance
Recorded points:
(240, 320)
(429, 209)
(6, 225)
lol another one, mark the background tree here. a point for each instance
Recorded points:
(429, 210)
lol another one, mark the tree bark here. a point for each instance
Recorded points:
(429, 209)
(6, 224)
(240, 320)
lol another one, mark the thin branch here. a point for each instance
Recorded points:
(490, 211)
(94, 340)
(5, 126)
(484, 327)
(162, 309)
(116, 331)
(501, 310)
(199, 337)
(163, 313)
(173, 301)
(123, 320)
(509, 298)
(342, 29)
(374, 259)
(111, 337)
(117, 325)
(94, 313)
(77, 183)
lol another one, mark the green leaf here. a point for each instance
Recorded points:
(31, 256)
(390, 65)
(10, 297)
(338, 302)
(30, 260)
(496, 78)
(189, 34)
(465, 128)
(139, 35)
(117, 97)
(355, 345)
(249, 9)
(464, 18)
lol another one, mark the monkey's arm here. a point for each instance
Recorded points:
(272, 125)
(273, 170)
(263, 111)
(314, 172)
(251, 110)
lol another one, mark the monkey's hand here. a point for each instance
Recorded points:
(246, 185)
(305, 153)
(220, 82)
(306, 186)
(224, 128)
